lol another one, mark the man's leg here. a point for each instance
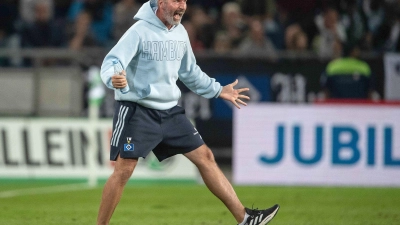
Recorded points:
(216, 181)
(113, 188)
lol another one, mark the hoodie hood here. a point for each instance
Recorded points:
(153, 4)
(147, 14)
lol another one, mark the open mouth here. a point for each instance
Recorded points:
(178, 15)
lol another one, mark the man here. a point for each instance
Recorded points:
(43, 31)
(155, 52)
(348, 77)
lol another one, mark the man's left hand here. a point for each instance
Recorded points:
(234, 95)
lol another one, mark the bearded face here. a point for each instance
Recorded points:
(172, 11)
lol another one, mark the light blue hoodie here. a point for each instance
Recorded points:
(154, 58)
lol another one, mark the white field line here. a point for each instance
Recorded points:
(44, 190)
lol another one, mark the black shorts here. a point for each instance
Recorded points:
(137, 130)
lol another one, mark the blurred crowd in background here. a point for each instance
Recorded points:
(326, 27)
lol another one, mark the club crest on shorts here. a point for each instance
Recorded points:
(128, 146)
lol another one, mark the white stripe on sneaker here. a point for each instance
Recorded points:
(269, 217)
(251, 222)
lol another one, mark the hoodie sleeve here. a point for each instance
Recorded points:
(126, 48)
(195, 79)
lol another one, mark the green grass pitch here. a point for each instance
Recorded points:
(186, 203)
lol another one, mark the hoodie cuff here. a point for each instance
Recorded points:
(109, 84)
(219, 92)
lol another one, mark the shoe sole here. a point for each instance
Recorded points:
(270, 216)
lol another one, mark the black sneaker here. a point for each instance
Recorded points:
(261, 217)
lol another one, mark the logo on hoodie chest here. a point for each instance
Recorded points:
(164, 50)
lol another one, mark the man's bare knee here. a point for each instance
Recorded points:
(123, 169)
(123, 174)
(201, 156)
(209, 156)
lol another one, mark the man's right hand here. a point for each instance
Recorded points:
(119, 81)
